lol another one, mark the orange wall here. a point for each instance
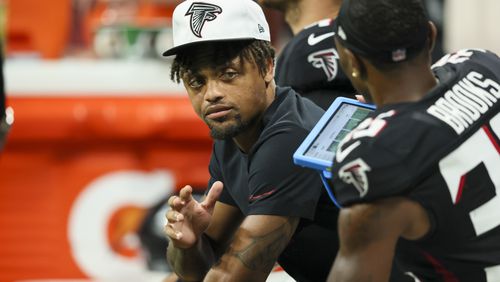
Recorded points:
(40, 26)
(61, 150)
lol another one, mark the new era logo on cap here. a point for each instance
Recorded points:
(261, 29)
(217, 20)
(201, 13)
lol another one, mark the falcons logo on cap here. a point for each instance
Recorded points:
(201, 13)
(326, 60)
(355, 173)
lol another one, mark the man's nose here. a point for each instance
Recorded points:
(214, 91)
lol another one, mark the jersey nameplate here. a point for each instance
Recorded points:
(466, 101)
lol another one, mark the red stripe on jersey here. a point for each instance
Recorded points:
(460, 188)
(439, 268)
(492, 138)
(382, 128)
(256, 197)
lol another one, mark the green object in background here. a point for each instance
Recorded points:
(140, 41)
(131, 42)
(131, 34)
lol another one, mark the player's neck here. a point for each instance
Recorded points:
(247, 139)
(403, 87)
(304, 13)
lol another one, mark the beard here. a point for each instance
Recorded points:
(231, 130)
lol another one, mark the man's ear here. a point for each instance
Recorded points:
(269, 75)
(432, 36)
(354, 64)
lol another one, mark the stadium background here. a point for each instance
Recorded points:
(102, 136)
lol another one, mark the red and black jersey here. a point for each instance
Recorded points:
(309, 63)
(443, 152)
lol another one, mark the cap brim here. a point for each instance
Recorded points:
(175, 50)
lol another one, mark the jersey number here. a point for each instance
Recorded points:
(481, 147)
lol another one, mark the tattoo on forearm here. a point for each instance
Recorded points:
(260, 252)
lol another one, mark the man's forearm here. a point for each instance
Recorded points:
(192, 264)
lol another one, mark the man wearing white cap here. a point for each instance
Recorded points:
(259, 203)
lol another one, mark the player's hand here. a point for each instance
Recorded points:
(188, 219)
(360, 98)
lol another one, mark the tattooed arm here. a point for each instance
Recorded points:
(254, 249)
(199, 232)
(232, 248)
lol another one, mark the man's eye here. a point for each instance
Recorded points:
(195, 83)
(229, 75)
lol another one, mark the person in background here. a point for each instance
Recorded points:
(259, 202)
(6, 113)
(309, 61)
(419, 179)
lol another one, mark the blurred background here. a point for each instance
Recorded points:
(102, 137)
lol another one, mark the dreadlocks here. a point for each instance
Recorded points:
(254, 51)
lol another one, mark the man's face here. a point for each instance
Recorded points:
(280, 5)
(230, 98)
(346, 62)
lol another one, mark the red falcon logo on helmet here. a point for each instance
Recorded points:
(355, 173)
(201, 13)
(326, 60)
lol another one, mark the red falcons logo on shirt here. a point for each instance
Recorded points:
(201, 13)
(326, 60)
(355, 173)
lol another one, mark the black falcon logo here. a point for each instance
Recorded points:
(355, 173)
(325, 60)
(200, 13)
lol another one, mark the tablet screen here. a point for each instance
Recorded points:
(343, 121)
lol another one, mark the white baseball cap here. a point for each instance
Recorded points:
(196, 21)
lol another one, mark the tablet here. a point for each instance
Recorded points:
(319, 147)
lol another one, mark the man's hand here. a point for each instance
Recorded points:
(188, 219)
(360, 98)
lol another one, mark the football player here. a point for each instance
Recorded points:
(420, 179)
(309, 61)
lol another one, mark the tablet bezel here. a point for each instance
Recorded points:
(299, 157)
